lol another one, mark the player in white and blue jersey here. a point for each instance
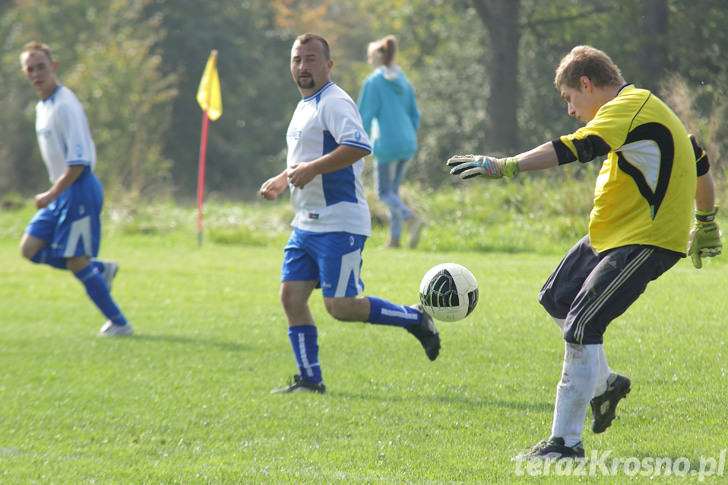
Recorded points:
(65, 233)
(326, 145)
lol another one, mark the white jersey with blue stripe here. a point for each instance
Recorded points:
(334, 201)
(63, 133)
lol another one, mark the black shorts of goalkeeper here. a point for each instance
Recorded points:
(588, 289)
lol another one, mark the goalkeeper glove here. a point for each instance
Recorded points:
(468, 166)
(704, 237)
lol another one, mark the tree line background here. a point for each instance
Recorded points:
(482, 72)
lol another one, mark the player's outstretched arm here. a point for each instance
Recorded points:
(468, 166)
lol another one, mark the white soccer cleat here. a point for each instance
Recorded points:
(111, 329)
(109, 272)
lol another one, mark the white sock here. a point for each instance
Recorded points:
(605, 373)
(575, 390)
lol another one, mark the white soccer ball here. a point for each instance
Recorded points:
(449, 292)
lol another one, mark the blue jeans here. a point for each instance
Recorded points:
(389, 178)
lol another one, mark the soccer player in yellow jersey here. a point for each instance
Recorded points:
(653, 177)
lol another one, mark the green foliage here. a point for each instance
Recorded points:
(136, 65)
(685, 101)
(246, 144)
(20, 166)
(106, 57)
(135, 127)
(442, 53)
(530, 214)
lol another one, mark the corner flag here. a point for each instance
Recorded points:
(208, 94)
(210, 100)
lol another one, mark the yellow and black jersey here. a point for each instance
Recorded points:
(646, 187)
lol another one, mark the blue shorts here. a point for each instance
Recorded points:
(331, 258)
(71, 224)
(590, 289)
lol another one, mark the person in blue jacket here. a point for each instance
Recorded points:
(391, 118)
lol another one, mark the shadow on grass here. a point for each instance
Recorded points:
(450, 399)
(179, 339)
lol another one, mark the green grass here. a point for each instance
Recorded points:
(186, 399)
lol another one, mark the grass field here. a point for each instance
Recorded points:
(186, 399)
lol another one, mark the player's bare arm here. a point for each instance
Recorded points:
(274, 186)
(343, 156)
(539, 158)
(72, 173)
(705, 193)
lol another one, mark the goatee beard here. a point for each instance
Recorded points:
(305, 83)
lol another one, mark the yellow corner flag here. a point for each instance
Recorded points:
(208, 94)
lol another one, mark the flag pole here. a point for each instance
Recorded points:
(209, 82)
(201, 176)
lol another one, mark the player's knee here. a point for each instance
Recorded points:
(582, 336)
(77, 263)
(552, 306)
(289, 299)
(27, 252)
(569, 335)
(339, 308)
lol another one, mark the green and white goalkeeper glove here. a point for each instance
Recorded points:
(704, 237)
(468, 166)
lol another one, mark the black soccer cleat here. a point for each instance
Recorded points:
(604, 405)
(552, 449)
(426, 333)
(299, 384)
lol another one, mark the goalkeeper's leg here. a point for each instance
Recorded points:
(616, 282)
(578, 380)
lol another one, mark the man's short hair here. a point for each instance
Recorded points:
(34, 45)
(584, 60)
(307, 37)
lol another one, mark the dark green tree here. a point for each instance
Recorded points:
(246, 144)
(105, 54)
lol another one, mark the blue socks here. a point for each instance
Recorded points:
(304, 340)
(99, 293)
(98, 264)
(383, 312)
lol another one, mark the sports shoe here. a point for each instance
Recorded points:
(552, 449)
(426, 333)
(111, 329)
(299, 384)
(109, 272)
(415, 231)
(604, 405)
